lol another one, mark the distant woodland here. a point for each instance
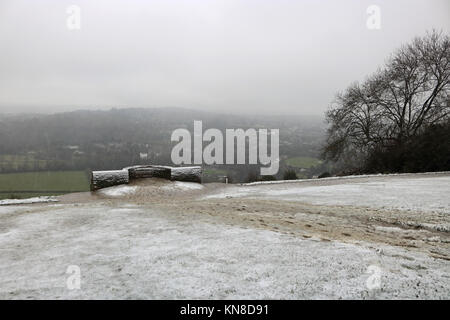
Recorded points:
(102, 140)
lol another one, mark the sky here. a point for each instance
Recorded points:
(233, 56)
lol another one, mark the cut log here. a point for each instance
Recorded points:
(104, 179)
(189, 174)
(149, 171)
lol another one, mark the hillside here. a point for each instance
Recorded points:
(116, 138)
(312, 239)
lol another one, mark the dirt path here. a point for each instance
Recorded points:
(343, 223)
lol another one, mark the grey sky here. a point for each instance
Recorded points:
(270, 56)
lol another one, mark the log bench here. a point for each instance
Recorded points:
(104, 179)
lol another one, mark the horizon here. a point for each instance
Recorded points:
(163, 108)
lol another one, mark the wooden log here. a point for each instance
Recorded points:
(188, 174)
(149, 171)
(104, 179)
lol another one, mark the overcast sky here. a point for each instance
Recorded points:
(269, 56)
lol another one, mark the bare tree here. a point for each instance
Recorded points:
(395, 104)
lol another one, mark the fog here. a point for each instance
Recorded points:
(265, 56)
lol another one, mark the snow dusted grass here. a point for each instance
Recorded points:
(180, 185)
(131, 251)
(118, 191)
(375, 175)
(130, 247)
(43, 199)
(421, 193)
(122, 191)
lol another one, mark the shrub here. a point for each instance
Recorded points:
(290, 175)
(324, 175)
(268, 178)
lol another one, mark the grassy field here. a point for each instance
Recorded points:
(32, 184)
(303, 162)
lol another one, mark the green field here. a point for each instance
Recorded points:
(303, 162)
(32, 184)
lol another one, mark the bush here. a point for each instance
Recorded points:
(429, 151)
(290, 175)
(268, 178)
(324, 175)
(252, 177)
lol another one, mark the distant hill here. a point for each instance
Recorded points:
(107, 139)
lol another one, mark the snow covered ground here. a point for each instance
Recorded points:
(414, 192)
(180, 185)
(43, 199)
(118, 191)
(142, 241)
(133, 252)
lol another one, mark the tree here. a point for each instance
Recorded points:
(394, 105)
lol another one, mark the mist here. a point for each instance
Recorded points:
(268, 57)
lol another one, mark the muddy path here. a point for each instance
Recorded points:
(342, 223)
(411, 229)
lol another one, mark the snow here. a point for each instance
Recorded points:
(180, 185)
(187, 169)
(102, 175)
(138, 252)
(11, 209)
(134, 248)
(118, 191)
(43, 199)
(346, 177)
(390, 229)
(421, 193)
